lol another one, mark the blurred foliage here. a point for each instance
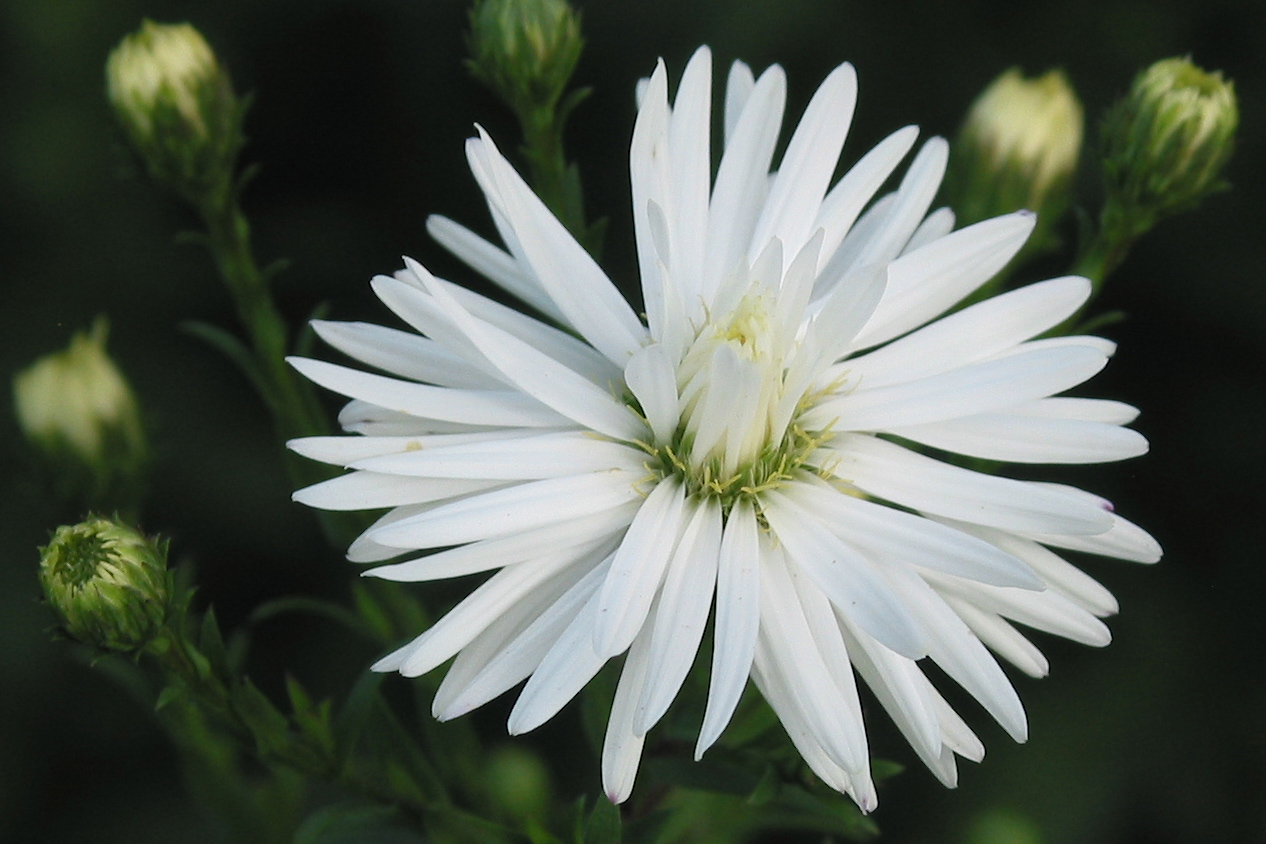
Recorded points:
(359, 115)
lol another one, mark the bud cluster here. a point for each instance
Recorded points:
(525, 50)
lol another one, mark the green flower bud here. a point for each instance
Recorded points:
(1018, 148)
(79, 412)
(1165, 143)
(177, 106)
(525, 50)
(107, 583)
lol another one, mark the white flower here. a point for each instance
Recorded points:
(749, 444)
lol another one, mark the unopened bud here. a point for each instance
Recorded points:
(79, 412)
(177, 106)
(107, 583)
(1165, 143)
(525, 50)
(1018, 148)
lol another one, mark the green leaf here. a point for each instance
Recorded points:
(349, 823)
(234, 350)
(356, 711)
(604, 823)
(212, 644)
(310, 606)
(267, 725)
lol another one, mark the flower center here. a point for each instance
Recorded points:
(739, 401)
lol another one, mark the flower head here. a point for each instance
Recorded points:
(107, 583)
(78, 409)
(176, 104)
(1018, 148)
(755, 445)
(1167, 141)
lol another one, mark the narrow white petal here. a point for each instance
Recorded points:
(969, 390)
(520, 458)
(1123, 540)
(648, 175)
(928, 281)
(371, 490)
(682, 615)
(471, 407)
(480, 608)
(792, 650)
(1001, 638)
(851, 193)
(972, 334)
(899, 538)
(738, 87)
(638, 569)
(1080, 410)
(404, 354)
(509, 550)
(1047, 611)
(690, 166)
(651, 379)
(492, 263)
(569, 275)
(846, 576)
(921, 483)
(622, 745)
(742, 177)
(1028, 439)
(934, 226)
(918, 187)
(737, 620)
(506, 511)
(958, 652)
(808, 164)
(570, 663)
(499, 662)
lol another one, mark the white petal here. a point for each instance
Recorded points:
(808, 164)
(690, 170)
(622, 745)
(638, 569)
(370, 490)
(1028, 439)
(492, 263)
(848, 578)
(520, 458)
(682, 615)
(568, 274)
(404, 354)
(1047, 611)
(928, 281)
(1080, 410)
(506, 511)
(742, 178)
(737, 620)
(471, 407)
(500, 659)
(972, 334)
(738, 87)
(1000, 637)
(969, 390)
(921, 483)
(344, 451)
(1123, 540)
(918, 187)
(899, 538)
(509, 550)
(958, 652)
(934, 226)
(651, 379)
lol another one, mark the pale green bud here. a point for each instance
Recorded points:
(79, 411)
(525, 50)
(1018, 148)
(1165, 143)
(107, 583)
(177, 106)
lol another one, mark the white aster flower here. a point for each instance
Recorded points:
(748, 447)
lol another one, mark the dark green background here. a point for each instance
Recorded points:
(359, 117)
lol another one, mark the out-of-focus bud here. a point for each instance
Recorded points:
(79, 412)
(1165, 143)
(1018, 148)
(107, 583)
(519, 782)
(525, 50)
(177, 106)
